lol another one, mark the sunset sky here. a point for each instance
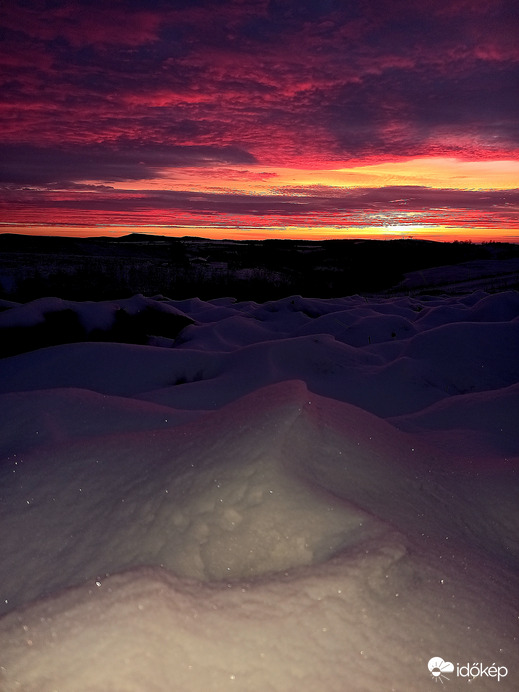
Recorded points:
(260, 119)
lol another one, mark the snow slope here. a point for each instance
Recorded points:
(298, 495)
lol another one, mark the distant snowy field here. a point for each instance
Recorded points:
(301, 495)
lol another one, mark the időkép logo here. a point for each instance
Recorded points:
(439, 668)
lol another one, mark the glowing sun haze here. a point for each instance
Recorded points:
(258, 119)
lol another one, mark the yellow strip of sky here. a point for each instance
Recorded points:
(448, 173)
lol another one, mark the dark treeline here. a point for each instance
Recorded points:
(107, 268)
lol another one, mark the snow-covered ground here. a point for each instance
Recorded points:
(464, 277)
(299, 495)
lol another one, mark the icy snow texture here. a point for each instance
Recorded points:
(234, 512)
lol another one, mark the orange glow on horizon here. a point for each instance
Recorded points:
(434, 233)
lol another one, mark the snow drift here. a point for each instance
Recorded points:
(235, 511)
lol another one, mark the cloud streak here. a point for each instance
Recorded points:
(37, 165)
(356, 207)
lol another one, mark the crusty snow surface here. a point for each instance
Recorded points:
(301, 495)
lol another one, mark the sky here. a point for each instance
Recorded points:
(260, 119)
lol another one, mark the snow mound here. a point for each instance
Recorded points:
(246, 497)
(51, 321)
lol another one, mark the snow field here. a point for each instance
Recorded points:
(299, 495)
